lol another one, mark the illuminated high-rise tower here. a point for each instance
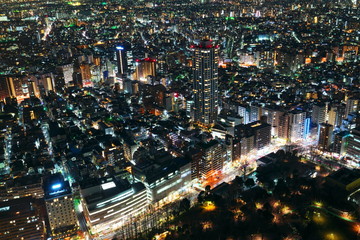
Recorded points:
(205, 82)
(121, 59)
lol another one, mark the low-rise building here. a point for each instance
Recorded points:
(161, 179)
(108, 202)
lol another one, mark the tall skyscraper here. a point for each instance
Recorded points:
(205, 82)
(121, 59)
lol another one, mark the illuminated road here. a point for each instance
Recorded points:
(81, 218)
(342, 215)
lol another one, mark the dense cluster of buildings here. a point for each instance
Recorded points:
(104, 115)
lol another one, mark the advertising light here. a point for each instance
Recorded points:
(56, 186)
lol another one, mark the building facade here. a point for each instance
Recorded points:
(354, 144)
(121, 59)
(60, 206)
(205, 83)
(109, 201)
(325, 133)
(20, 219)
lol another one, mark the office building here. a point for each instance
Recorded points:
(320, 113)
(110, 201)
(244, 112)
(20, 219)
(66, 75)
(294, 126)
(255, 135)
(85, 74)
(46, 82)
(352, 105)
(60, 206)
(205, 83)
(341, 142)
(213, 156)
(17, 87)
(261, 132)
(336, 115)
(354, 144)
(161, 178)
(25, 186)
(195, 155)
(255, 113)
(4, 89)
(273, 118)
(145, 69)
(298, 125)
(325, 132)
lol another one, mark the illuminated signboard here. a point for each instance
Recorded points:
(56, 186)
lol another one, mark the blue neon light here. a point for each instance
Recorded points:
(56, 186)
(307, 127)
(119, 48)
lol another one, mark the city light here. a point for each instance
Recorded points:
(56, 186)
(318, 204)
(168, 119)
(209, 206)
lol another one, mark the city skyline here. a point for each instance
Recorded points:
(206, 119)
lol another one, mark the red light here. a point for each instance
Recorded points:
(176, 95)
(203, 46)
(149, 60)
(137, 60)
